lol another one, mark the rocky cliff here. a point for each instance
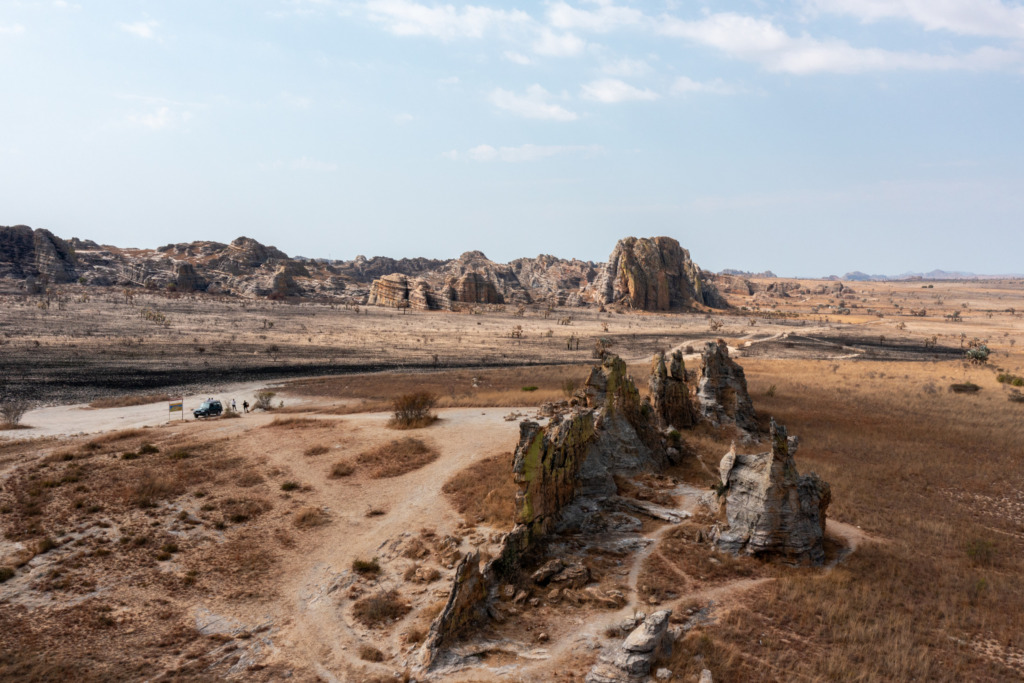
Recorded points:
(653, 274)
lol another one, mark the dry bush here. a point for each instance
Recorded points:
(342, 469)
(366, 567)
(238, 510)
(296, 422)
(151, 487)
(316, 450)
(126, 401)
(412, 411)
(484, 492)
(309, 517)
(368, 653)
(397, 457)
(379, 608)
(11, 412)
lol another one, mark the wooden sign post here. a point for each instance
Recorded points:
(176, 407)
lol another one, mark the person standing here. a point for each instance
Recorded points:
(234, 408)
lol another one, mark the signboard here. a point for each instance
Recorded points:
(176, 407)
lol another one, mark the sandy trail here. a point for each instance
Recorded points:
(313, 624)
(79, 418)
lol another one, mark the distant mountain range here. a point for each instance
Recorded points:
(858, 276)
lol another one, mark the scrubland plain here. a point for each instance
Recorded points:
(315, 541)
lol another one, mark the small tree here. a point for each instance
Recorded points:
(12, 410)
(263, 399)
(978, 354)
(413, 410)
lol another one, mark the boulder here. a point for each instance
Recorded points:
(768, 509)
(632, 661)
(722, 394)
(390, 290)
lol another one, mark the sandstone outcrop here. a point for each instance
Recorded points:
(632, 661)
(670, 396)
(644, 274)
(39, 254)
(722, 389)
(768, 509)
(654, 274)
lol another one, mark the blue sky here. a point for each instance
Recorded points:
(807, 137)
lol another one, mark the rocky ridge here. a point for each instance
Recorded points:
(654, 274)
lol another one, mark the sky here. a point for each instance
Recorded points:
(808, 137)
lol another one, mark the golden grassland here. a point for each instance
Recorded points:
(936, 478)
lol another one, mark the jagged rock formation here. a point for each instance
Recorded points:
(632, 661)
(670, 396)
(770, 510)
(654, 274)
(644, 274)
(722, 389)
(555, 468)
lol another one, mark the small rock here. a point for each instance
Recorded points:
(550, 568)
(542, 637)
(705, 677)
(508, 590)
(663, 674)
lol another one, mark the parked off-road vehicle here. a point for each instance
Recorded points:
(209, 408)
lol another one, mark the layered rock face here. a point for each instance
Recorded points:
(546, 468)
(632, 661)
(670, 396)
(722, 389)
(38, 254)
(768, 508)
(654, 274)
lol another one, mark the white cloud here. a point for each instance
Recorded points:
(522, 153)
(551, 44)
(160, 118)
(405, 18)
(684, 85)
(142, 29)
(964, 17)
(403, 118)
(760, 41)
(11, 30)
(612, 90)
(517, 58)
(627, 68)
(535, 104)
(607, 17)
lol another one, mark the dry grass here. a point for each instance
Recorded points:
(297, 423)
(368, 653)
(126, 401)
(316, 450)
(380, 608)
(310, 517)
(397, 457)
(484, 492)
(342, 469)
(113, 437)
(911, 465)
